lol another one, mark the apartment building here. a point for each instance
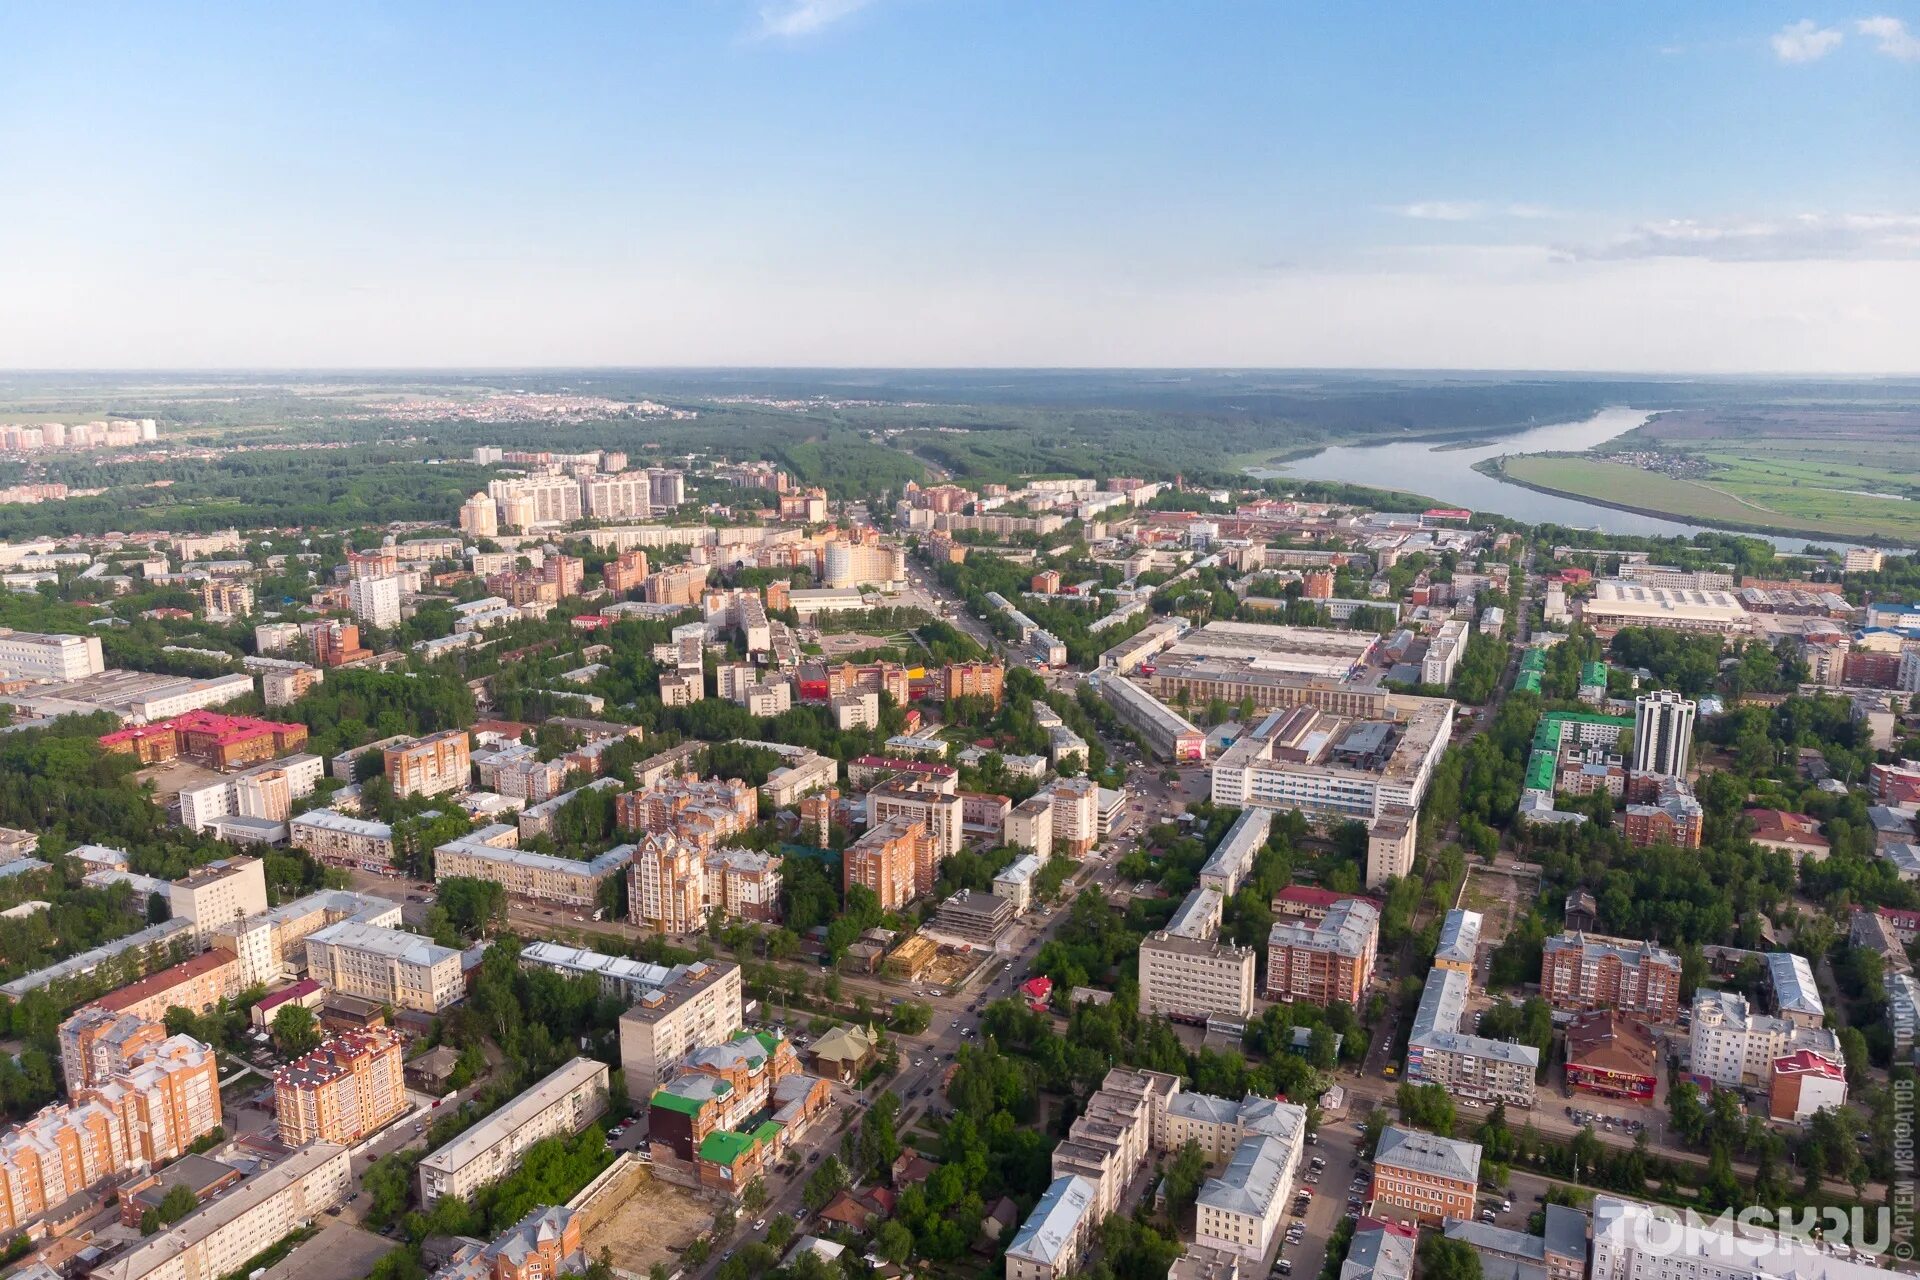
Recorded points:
(489, 854)
(266, 791)
(1239, 1210)
(1219, 1125)
(148, 1110)
(49, 659)
(348, 1087)
(564, 1103)
(1232, 860)
(533, 501)
(430, 766)
(1424, 1177)
(941, 813)
(672, 884)
(386, 966)
(272, 945)
(703, 812)
(1030, 824)
(886, 859)
(617, 497)
(1392, 840)
(1467, 1065)
(197, 984)
(1590, 971)
(974, 680)
(619, 977)
(1076, 814)
(625, 573)
(1049, 1243)
(1193, 979)
(1325, 960)
(1735, 1046)
(1459, 946)
(697, 1007)
(217, 1239)
(340, 841)
(1111, 1140)
(219, 893)
(96, 1042)
(375, 601)
(1167, 733)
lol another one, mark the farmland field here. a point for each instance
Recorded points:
(1835, 487)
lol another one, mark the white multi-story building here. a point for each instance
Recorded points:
(625, 496)
(1662, 733)
(1472, 1067)
(375, 601)
(27, 655)
(218, 1239)
(1194, 978)
(1233, 858)
(1239, 1210)
(1735, 1046)
(388, 966)
(1334, 768)
(563, 1103)
(536, 500)
(1444, 652)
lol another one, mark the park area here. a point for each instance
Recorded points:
(641, 1220)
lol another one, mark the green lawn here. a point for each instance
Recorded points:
(1770, 483)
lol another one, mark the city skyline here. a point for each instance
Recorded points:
(906, 183)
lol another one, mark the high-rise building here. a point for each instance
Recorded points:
(665, 487)
(537, 500)
(627, 572)
(375, 601)
(1588, 971)
(26, 655)
(698, 1008)
(627, 496)
(884, 859)
(1662, 733)
(342, 1091)
(430, 766)
(480, 517)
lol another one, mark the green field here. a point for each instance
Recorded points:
(1768, 483)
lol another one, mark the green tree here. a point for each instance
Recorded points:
(1444, 1259)
(295, 1030)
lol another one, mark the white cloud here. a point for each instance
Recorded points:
(1806, 237)
(1441, 210)
(793, 18)
(1892, 37)
(1469, 210)
(1806, 41)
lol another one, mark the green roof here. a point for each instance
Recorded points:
(668, 1101)
(1593, 673)
(1529, 682)
(767, 1132)
(768, 1041)
(1540, 771)
(722, 1147)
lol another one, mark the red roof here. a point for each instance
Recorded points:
(926, 767)
(1807, 1062)
(1782, 827)
(304, 987)
(165, 980)
(1039, 988)
(1447, 513)
(1901, 916)
(225, 728)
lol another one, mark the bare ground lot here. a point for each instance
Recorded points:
(641, 1220)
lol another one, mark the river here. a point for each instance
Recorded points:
(1447, 475)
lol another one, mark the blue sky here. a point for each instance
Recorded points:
(959, 182)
